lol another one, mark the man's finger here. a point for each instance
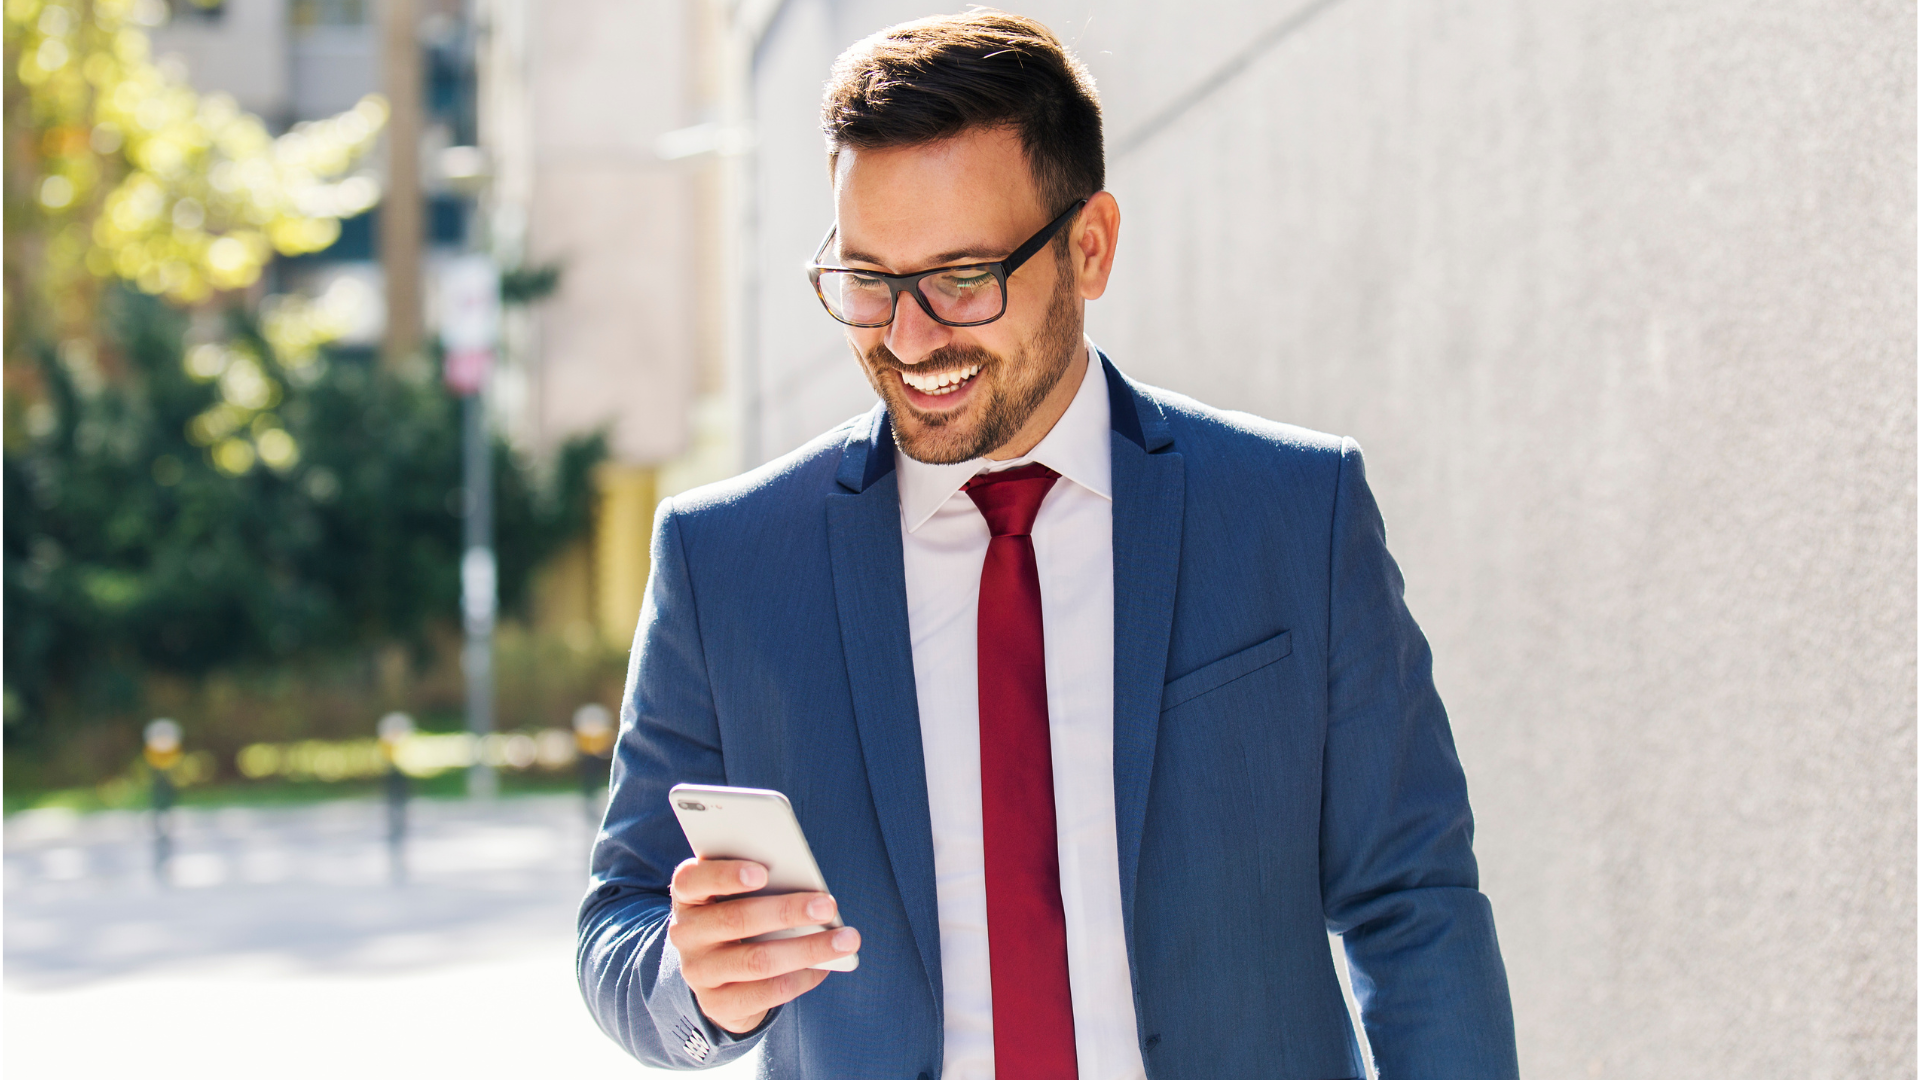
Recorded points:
(752, 1000)
(761, 960)
(736, 920)
(697, 881)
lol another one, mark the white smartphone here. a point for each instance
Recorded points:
(759, 826)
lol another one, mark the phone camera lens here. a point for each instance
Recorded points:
(686, 804)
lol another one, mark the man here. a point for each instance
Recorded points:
(1099, 707)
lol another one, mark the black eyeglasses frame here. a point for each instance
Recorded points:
(910, 283)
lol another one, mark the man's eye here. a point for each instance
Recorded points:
(864, 282)
(961, 284)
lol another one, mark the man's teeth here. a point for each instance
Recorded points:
(944, 383)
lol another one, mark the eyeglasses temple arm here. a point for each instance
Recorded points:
(1027, 250)
(824, 241)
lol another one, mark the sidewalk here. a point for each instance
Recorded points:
(283, 948)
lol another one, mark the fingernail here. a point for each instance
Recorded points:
(846, 939)
(753, 875)
(820, 907)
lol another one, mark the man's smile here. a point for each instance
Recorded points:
(945, 382)
(938, 391)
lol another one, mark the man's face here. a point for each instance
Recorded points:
(957, 393)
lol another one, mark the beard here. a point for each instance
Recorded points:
(1015, 386)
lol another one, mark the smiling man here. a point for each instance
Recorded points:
(1099, 707)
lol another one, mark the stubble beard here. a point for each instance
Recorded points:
(1017, 387)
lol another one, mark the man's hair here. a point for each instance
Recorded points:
(934, 78)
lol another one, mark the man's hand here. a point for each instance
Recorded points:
(736, 982)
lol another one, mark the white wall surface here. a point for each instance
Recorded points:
(1620, 298)
(607, 78)
(243, 52)
(332, 67)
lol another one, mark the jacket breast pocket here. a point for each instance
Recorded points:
(1225, 670)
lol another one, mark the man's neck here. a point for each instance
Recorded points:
(1050, 410)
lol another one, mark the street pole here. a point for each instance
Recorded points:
(162, 752)
(593, 737)
(394, 729)
(470, 331)
(477, 591)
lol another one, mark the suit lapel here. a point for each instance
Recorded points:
(1149, 490)
(869, 583)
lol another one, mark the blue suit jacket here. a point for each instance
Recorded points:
(1281, 763)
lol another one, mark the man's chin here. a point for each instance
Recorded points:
(947, 442)
(936, 438)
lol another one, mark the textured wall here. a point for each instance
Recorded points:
(1620, 298)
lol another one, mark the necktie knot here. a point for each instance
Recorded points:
(1010, 499)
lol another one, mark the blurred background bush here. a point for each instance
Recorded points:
(284, 599)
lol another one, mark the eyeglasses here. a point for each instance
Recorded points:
(970, 295)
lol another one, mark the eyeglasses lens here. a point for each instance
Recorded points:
(957, 296)
(856, 298)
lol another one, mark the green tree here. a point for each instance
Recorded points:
(117, 169)
(128, 550)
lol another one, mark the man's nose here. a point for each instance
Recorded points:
(913, 333)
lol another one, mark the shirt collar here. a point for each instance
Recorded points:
(1077, 448)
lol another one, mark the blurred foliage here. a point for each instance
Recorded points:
(115, 168)
(131, 553)
(529, 284)
(209, 513)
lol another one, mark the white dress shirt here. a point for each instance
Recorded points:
(945, 542)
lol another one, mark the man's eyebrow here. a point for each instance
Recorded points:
(976, 254)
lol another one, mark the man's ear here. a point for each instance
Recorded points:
(1095, 233)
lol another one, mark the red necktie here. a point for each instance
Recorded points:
(1026, 924)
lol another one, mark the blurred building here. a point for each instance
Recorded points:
(1621, 302)
(598, 117)
(307, 59)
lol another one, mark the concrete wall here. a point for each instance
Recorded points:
(1620, 297)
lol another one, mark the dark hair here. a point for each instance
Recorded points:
(934, 78)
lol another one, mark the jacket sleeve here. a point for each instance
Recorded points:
(629, 972)
(1398, 877)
